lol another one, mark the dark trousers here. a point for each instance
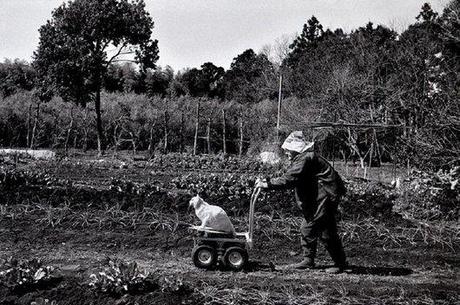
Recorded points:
(320, 223)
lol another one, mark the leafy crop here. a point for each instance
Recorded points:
(130, 187)
(12, 178)
(209, 163)
(119, 277)
(16, 274)
(231, 186)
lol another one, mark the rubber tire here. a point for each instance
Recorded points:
(227, 257)
(196, 257)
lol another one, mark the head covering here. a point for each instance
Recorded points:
(296, 142)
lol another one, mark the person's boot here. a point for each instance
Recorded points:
(338, 256)
(340, 264)
(336, 269)
(306, 263)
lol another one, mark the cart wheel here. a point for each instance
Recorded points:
(204, 256)
(235, 258)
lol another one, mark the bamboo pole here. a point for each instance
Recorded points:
(333, 124)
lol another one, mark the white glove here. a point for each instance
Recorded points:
(261, 183)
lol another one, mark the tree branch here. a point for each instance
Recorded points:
(112, 59)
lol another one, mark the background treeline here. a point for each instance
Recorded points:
(387, 96)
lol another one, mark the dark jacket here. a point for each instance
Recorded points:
(313, 179)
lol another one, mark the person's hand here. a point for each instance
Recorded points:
(261, 183)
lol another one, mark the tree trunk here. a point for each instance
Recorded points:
(85, 140)
(133, 142)
(377, 148)
(224, 133)
(371, 155)
(197, 122)
(86, 128)
(352, 143)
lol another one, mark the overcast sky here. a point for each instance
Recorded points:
(191, 32)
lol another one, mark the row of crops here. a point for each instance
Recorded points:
(424, 196)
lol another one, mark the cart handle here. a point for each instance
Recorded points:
(252, 203)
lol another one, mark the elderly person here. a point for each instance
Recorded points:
(318, 188)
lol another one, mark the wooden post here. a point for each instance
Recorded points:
(279, 110)
(208, 135)
(166, 131)
(195, 141)
(224, 133)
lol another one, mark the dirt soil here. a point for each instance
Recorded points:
(380, 273)
(413, 275)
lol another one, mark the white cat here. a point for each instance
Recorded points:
(211, 216)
